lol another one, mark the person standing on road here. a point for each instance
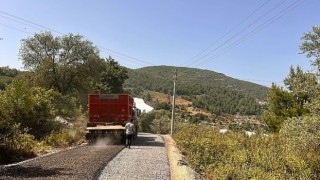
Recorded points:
(129, 133)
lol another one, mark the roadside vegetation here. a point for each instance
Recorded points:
(44, 106)
(289, 148)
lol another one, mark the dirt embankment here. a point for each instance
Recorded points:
(179, 169)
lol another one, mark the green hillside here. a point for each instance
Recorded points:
(212, 91)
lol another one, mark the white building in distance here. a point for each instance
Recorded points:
(140, 104)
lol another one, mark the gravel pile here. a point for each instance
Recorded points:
(84, 162)
(147, 159)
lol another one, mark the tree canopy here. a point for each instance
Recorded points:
(62, 63)
(311, 46)
(111, 78)
(70, 64)
(301, 96)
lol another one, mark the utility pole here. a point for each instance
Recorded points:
(173, 99)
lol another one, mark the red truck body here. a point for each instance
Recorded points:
(108, 114)
(115, 109)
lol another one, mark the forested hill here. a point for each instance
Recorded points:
(159, 78)
(206, 89)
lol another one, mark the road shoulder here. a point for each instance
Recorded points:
(178, 167)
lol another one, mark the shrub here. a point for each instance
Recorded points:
(157, 121)
(62, 139)
(30, 107)
(69, 136)
(15, 145)
(161, 123)
(146, 120)
(302, 136)
(235, 156)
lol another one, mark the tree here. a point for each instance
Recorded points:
(301, 85)
(311, 46)
(281, 105)
(63, 63)
(111, 78)
(302, 97)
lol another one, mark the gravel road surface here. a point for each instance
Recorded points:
(84, 162)
(147, 159)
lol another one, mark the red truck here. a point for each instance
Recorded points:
(108, 114)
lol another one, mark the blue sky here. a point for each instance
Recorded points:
(252, 40)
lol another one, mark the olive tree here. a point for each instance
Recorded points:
(64, 63)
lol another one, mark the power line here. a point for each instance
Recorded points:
(256, 30)
(242, 30)
(231, 30)
(251, 33)
(133, 64)
(130, 57)
(43, 27)
(21, 22)
(10, 27)
(40, 27)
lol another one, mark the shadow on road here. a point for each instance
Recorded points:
(147, 140)
(30, 172)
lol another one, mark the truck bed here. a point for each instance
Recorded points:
(110, 108)
(99, 127)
